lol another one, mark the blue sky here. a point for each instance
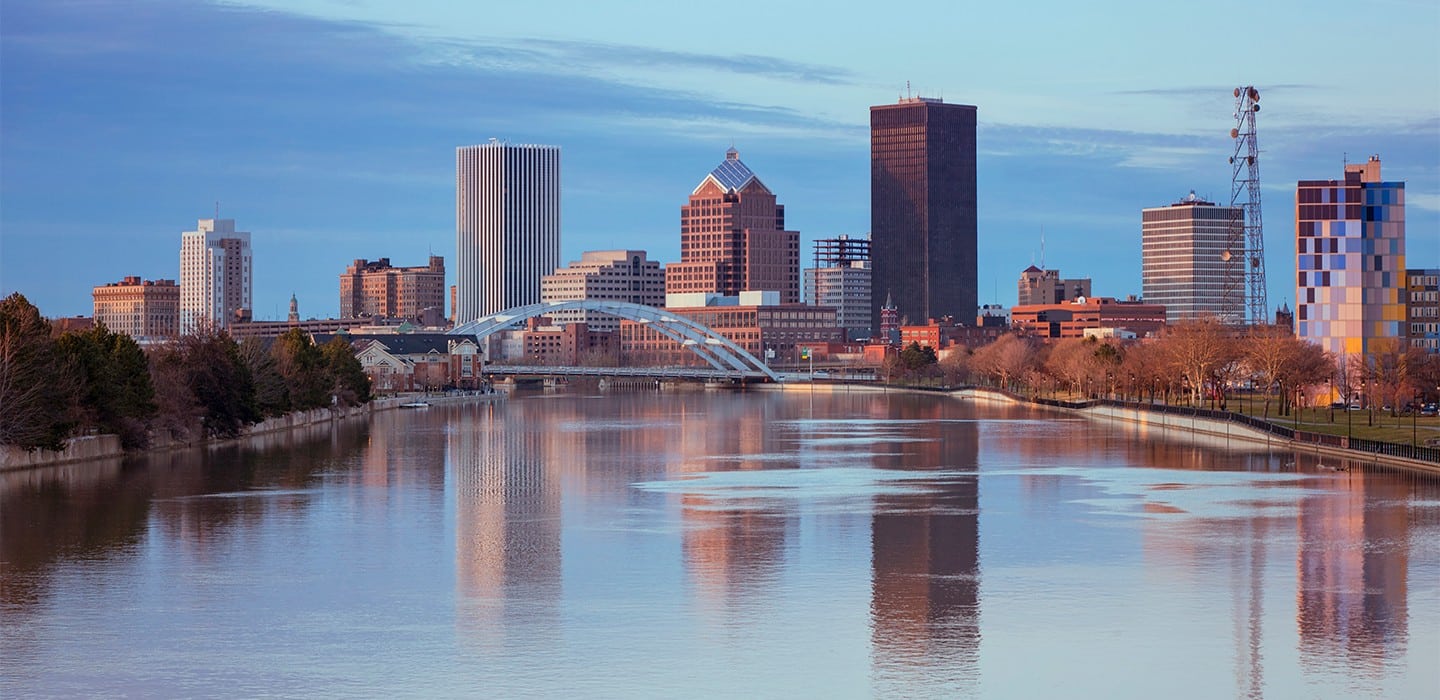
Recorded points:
(328, 128)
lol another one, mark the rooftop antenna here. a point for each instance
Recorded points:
(217, 208)
(1042, 246)
(907, 89)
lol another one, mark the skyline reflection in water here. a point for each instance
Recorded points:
(735, 544)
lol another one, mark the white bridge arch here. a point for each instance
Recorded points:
(720, 352)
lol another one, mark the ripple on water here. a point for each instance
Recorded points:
(808, 484)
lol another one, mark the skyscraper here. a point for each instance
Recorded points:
(215, 275)
(733, 238)
(922, 209)
(1182, 259)
(507, 225)
(1350, 260)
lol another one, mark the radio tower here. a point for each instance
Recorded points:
(1244, 255)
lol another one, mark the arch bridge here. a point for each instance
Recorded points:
(727, 359)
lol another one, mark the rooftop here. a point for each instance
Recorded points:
(732, 175)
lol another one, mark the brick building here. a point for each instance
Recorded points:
(378, 289)
(1072, 319)
(142, 309)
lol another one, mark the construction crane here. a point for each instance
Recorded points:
(1244, 257)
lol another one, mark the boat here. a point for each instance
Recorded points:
(415, 404)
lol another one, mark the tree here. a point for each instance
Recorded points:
(916, 356)
(1004, 359)
(1195, 350)
(210, 365)
(347, 379)
(34, 395)
(272, 395)
(113, 392)
(301, 365)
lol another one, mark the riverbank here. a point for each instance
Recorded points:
(1207, 430)
(1209, 427)
(96, 447)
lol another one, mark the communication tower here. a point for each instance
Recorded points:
(1244, 256)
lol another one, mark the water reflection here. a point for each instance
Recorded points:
(507, 523)
(742, 545)
(1352, 568)
(925, 602)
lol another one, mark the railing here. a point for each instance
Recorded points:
(1416, 452)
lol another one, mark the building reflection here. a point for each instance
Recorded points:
(1351, 607)
(925, 548)
(507, 523)
(732, 547)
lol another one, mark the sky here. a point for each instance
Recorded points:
(327, 128)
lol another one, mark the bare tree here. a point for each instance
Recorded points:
(35, 391)
(1005, 359)
(1196, 350)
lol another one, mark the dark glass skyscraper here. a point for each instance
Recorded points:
(922, 209)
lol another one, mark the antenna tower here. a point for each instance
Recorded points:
(1244, 256)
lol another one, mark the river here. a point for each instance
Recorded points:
(721, 545)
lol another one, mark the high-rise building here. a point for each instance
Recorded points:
(1182, 259)
(1350, 260)
(922, 209)
(378, 289)
(215, 275)
(1037, 286)
(1422, 308)
(604, 275)
(733, 238)
(840, 279)
(507, 225)
(142, 309)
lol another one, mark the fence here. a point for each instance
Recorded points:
(1423, 454)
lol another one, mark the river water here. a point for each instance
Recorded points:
(721, 545)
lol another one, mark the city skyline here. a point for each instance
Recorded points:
(107, 104)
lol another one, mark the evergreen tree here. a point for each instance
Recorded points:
(351, 386)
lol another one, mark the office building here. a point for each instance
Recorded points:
(1350, 260)
(772, 331)
(922, 209)
(507, 225)
(1037, 286)
(841, 279)
(604, 275)
(146, 310)
(215, 275)
(1182, 259)
(1072, 319)
(1422, 317)
(733, 238)
(378, 289)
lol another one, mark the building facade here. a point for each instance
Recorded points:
(143, 309)
(604, 275)
(1037, 286)
(378, 289)
(923, 209)
(733, 238)
(1350, 260)
(841, 280)
(216, 282)
(1072, 319)
(1422, 323)
(773, 332)
(507, 225)
(1182, 258)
